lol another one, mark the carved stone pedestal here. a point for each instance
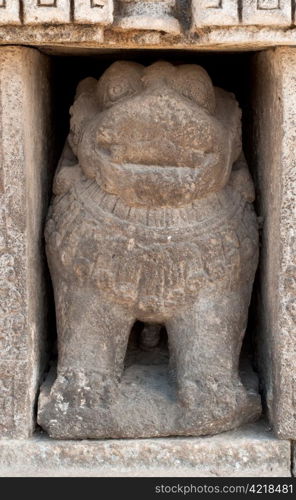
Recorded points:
(249, 452)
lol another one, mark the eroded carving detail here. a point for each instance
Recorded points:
(47, 3)
(46, 11)
(97, 3)
(215, 13)
(94, 11)
(214, 4)
(9, 12)
(156, 15)
(267, 12)
(268, 4)
(152, 220)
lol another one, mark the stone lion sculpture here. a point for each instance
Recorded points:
(152, 220)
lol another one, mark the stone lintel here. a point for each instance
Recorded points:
(248, 452)
(77, 38)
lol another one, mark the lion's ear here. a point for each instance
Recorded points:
(229, 113)
(241, 180)
(84, 108)
(67, 172)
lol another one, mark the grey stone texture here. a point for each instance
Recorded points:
(24, 114)
(165, 15)
(249, 452)
(267, 12)
(156, 15)
(94, 12)
(152, 220)
(274, 134)
(10, 12)
(196, 25)
(215, 13)
(46, 11)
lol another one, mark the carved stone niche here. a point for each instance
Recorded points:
(151, 220)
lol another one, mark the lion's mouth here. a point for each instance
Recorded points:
(115, 154)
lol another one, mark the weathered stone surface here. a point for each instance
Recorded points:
(215, 13)
(249, 452)
(94, 11)
(65, 37)
(87, 39)
(275, 161)
(165, 16)
(10, 12)
(46, 11)
(148, 15)
(152, 221)
(267, 12)
(24, 111)
(92, 39)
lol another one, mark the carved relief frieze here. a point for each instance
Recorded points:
(46, 11)
(215, 12)
(10, 12)
(155, 15)
(94, 11)
(267, 12)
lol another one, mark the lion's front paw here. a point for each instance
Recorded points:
(81, 389)
(213, 396)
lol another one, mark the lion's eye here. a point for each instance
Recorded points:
(119, 90)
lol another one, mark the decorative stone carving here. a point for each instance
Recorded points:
(152, 221)
(10, 12)
(151, 15)
(156, 15)
(215, 13)
(47, 11)
(267, 12)
(94, 11)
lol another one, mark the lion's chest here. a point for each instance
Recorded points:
(147, 268)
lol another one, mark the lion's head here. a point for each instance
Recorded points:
(157, 135)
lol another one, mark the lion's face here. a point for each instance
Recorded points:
(155, 136)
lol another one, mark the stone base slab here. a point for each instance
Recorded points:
(147, 406)
(251, 451)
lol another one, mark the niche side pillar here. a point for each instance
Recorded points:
(25, 162)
